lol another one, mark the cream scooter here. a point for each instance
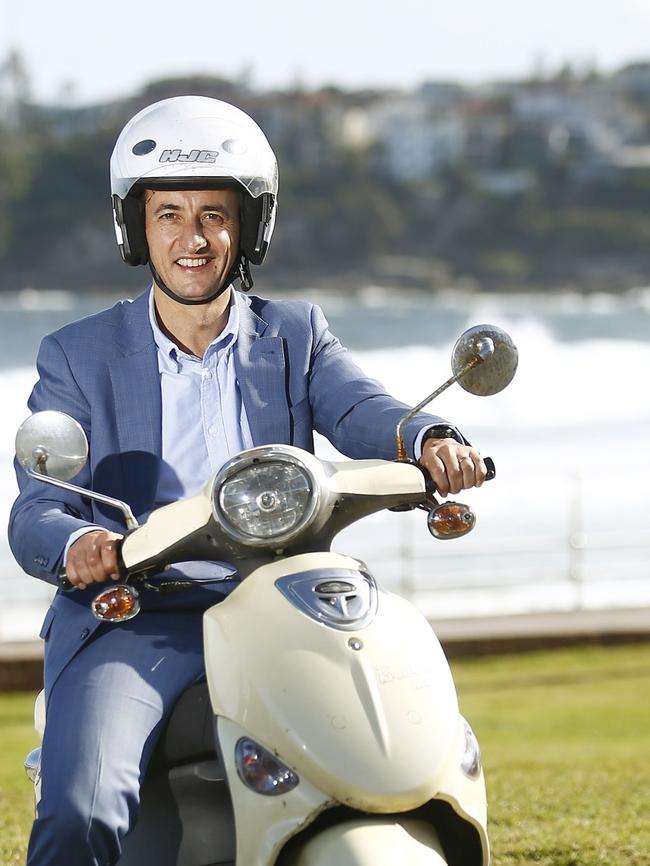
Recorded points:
(338, 736)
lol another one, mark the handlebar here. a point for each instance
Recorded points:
(63, 582)
(65, 585)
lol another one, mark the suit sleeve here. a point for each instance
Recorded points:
(43, 517)
(354, 412)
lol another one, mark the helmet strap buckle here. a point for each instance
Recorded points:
(245, 277)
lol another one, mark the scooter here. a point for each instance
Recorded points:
(330, 733)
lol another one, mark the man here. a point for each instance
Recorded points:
(168, 388)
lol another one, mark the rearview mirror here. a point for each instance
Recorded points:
(52, 448)
(484, 360)
(497, 368)
(52, 444)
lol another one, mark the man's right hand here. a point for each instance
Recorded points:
(93, 558)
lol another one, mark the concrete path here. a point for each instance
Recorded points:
(21, 661)
(493, 634)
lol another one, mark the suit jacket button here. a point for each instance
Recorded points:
(84, 634)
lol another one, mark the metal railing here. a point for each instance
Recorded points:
(574, 564)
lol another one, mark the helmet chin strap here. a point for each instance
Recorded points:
(240, 269)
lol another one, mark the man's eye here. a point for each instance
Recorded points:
(213, 216)
(167, 216)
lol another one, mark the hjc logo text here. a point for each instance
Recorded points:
(193, 156)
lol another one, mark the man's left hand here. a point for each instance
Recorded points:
(453, 467)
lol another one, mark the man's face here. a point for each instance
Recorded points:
(193, 238)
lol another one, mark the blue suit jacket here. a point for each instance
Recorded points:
(294, 377)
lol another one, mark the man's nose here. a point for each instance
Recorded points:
(196, 239)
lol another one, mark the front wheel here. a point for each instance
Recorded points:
(371, 841)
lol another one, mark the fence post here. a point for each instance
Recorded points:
(577, 539)
(406, 556)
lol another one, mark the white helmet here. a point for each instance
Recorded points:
(194, 142)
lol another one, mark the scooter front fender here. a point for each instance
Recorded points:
(370, 841)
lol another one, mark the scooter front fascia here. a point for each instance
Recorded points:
(349, 719)
(376, 729)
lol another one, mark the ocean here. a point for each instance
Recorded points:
(566, 522)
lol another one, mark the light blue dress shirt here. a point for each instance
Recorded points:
(204, 422)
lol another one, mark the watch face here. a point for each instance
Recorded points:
(439, 432)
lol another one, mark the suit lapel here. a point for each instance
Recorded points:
(138, 410)
(262, 376)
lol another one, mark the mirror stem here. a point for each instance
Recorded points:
(131, 522)
(483, 350)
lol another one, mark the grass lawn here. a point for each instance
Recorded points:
(566, 747)
(16, 799)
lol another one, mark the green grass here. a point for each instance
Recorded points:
(17, 738)
(566, 748)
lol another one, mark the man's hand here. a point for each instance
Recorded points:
(92, 558)
(453, 467)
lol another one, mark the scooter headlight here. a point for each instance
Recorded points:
(265, 497)
(261, 771)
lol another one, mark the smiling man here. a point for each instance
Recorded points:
(193, 239)
(168, 388)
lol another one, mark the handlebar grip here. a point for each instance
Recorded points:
(431, 487)
(65, 585)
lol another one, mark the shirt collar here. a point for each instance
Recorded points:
(226, 339)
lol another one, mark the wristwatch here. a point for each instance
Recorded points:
(440, 431)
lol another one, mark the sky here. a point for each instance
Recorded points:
(84, 52)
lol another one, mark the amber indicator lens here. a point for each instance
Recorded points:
(450, 520)
(116, 604)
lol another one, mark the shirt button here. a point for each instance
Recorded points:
(207, 374)
(212, 430)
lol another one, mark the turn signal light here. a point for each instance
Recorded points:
(450, 520)
(470, 762)
(116, 604)
(33, 765)
(261, 771)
